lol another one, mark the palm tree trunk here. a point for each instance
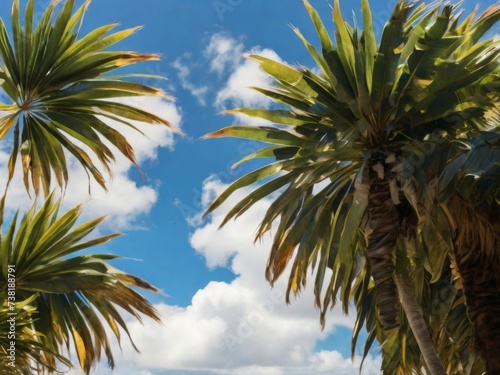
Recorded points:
(418, 326)
(477, 253)
(383, 226)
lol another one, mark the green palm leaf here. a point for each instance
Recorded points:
(60, 87)
(71, 296)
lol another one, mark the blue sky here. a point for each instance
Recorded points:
(219, 314)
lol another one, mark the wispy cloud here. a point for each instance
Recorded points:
(223, 52)
(183, 66)
(247, 74)
(231, 75)
(227, 55)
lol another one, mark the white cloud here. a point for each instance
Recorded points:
(239, 327)
(238, 90)
(247, 74)
(182, 66)
(139, 197)
(224, 52)
(231, 75)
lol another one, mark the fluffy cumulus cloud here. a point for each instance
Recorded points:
(239, 327)
(140, 196)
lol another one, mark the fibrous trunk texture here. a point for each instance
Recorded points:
(383, 226)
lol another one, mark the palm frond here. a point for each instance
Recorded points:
(71, 295)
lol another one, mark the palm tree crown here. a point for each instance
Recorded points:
(61, 92)
(71, 296)
(357, 152)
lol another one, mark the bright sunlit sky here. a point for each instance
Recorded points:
(220, 316)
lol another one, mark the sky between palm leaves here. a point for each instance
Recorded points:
(220, 316)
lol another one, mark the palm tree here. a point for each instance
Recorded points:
(61, 91)
(64, 298)
(347, 154)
